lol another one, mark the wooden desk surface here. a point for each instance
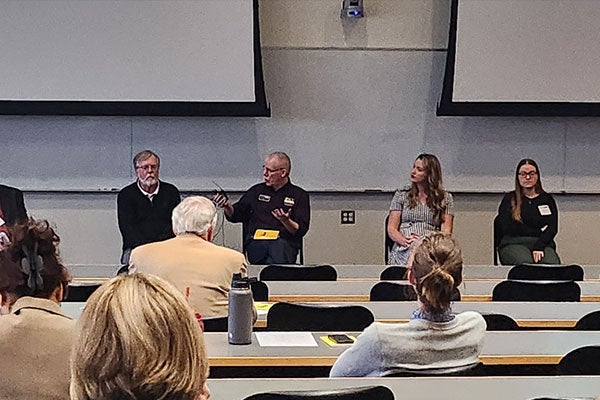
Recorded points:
(358, 290)
(469, 271)
(423, 388)
(527, 314)
(500, 348)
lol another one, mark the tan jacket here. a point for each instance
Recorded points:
(35, 344)
(190, 261)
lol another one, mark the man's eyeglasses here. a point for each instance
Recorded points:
(528, 174)
(149, 167)
(270, 171)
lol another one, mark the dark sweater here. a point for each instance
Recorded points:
(143, 221)
(255, 206)
(532, 218)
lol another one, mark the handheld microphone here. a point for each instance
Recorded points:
(221, 191)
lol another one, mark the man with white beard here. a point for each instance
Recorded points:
(144, 208)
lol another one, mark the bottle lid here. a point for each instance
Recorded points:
(241, 283)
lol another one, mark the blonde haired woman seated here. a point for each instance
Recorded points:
(138, 339)
(435, 338)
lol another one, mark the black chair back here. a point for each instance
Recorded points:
(388, 243)
(321, 317)
(80, 292)
(536, 291)
(298, 273)
(260, 291)
(467, 370)
(357, 393)
(391, 291)
(538, 272)
(582, 361)
(497, 233)
(215, 324)
(393, 273)
(500, 322)
(589, 322)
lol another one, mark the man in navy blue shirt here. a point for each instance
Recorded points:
(275, 214)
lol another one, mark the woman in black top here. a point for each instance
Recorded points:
(528, 219)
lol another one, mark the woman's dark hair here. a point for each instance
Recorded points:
(515, 204)
(31, 266)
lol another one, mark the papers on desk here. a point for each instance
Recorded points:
(286, 339)
(262, 308)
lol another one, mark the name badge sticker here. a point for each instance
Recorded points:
(264, 197)
(544, 210)
(288, 202)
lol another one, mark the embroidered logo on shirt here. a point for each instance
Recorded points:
(288, 201)
(264, 197)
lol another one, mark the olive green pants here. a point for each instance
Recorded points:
(518, 250)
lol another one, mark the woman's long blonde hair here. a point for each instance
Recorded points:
(434, 188)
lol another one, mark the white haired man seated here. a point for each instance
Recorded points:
(198, 268)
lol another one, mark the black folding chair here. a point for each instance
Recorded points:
(357, 393)
(260, 291)
(215, 324)
(391, 291)
(500, 322)
(536, 291)
(466, 370)
(298, 273)
(321, 317)
(545, 272)
(388, 243)
(393, 273)
(497, 233)
(80, 292)
(589, 322)
(582, 361)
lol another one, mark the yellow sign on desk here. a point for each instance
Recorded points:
(265, 234)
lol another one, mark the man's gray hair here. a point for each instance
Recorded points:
(143, 156)
(194, 214)
(283, 157)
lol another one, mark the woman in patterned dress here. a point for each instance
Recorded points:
(420, 208)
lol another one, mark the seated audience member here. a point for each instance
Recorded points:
(275, 205)
(200, 269)
(12, 211)
(138, 339)
(435, 337)
(528, 220)
(144, 207)
(420, 208)
(35, 336)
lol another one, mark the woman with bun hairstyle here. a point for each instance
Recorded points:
(35, 336)
(435, 338)
(528, 220)
(418, 209)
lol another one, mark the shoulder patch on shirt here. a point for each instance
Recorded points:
(288, 201)
(264, 197)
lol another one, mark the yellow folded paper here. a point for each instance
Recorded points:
(265, 234)
(331, 342)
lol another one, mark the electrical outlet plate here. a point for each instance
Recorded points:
(348, 217)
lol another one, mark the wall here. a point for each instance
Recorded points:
(353, 103)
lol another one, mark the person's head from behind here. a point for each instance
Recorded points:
(276, 170)
(138, 339)
(426, 171)
(435, 270)
(527, 176)
(30, 265)
(195, 214)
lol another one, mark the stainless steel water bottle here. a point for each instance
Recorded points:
(239, 322)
